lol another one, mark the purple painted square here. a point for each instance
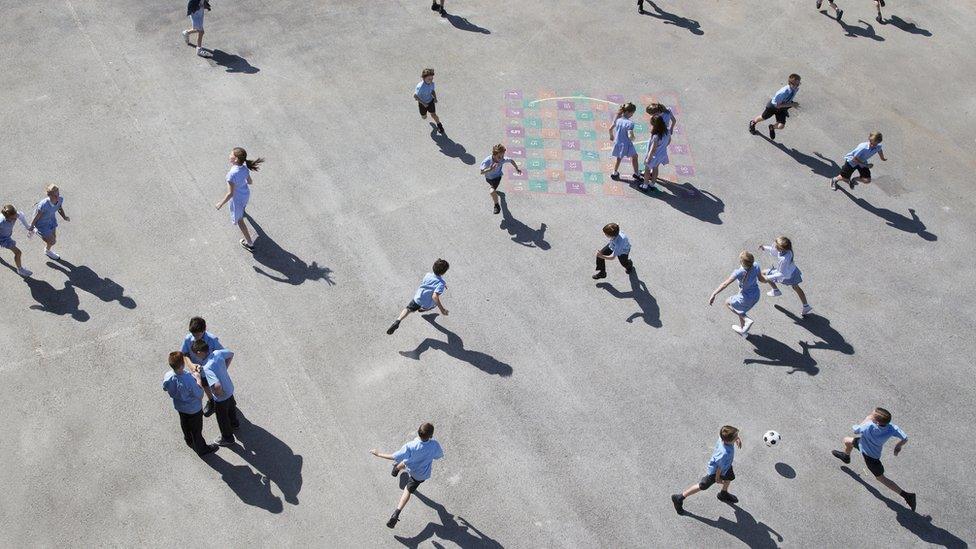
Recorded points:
(513, 113)
(678, 149)
(573, 187)
(516, 152)
(514, 94)
(571, 145)
(616, 98)
(678, 131)
(516, 131)
(516, 175)
(567, 124)
(684, 170)
(566, 105)
(573, 165)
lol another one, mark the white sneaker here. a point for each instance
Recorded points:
(24, 272)
(807, 309)
(52, 255)
(738, 330)
(748, 324)
(203, 53)
(644, 187)
(186, 36)
(774, 292)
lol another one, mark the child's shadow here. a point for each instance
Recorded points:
(452, 528)
(449, 148)
(694, 27)
(58, 302)
(461, 23)
(84, 278)
(649, 310)
(818, 164)
(820, 327)
(455, 348)
(912, 225)
(746, 528)
(778, 353)
(521, 233)
(293, 270)
(689, 200)
(854, 31)
(910, 28)
(233, 63)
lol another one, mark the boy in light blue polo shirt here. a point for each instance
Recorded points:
(619, 247)
(873, 433)
(198, 331)
(225, 406)
(491, 168)
(719, 469)
(779, 106)
(185, 389)
(426, 97)
(857, 159)
(416, 458)
(427, 296)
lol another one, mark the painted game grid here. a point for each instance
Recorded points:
(562, 143)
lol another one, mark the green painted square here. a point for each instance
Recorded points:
(641, 147)
(590, 155)
(534, 143)
(532, 123)
(587, 135)
(584, 115)
(538, 186)
(530, 104)
(535, 164)
(592, 177)
(640, 127)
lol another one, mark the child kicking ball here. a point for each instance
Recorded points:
(719, 470)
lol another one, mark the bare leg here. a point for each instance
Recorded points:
(17, 254)
(742, 317)
(247, 234)
(199, 38)
(404, 498)
(436, 119)
(616, 166)
(633, 160)
(800, 294)
(403, 314)
(690, 491)
(725, 485)
(848, 445)
(780, 125)
(494, 197)
(889, 483)
(757, 120)
(771, 284)
(51, 240)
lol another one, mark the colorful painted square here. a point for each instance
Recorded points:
(533, 122)
(517, 175)
(604, 145)
(678, 148)
(513, 95)
(513, 113)
(615, 98)
(516, 131)
(538, 186)
(574, 187)
(593, 177)
(614, 189)
(587, 135)
(516, 152)
(552, 154)
(590, 156)
(566, 105)
(534, 143)
(554, 175)
(535, 164)
(572, 165)
(570, 144)
(567, 124)
(686, 171)
(584, 115)
(550, 133)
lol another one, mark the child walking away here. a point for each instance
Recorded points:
(10, 218)
(194, 10)
(749, 275)
(877, 4)
(427, 296)
(239, 192)
(45, 220)
(858, 160)
(658, 109)
(619, 247)
(785, 272)
(491, 168)
(657, 152)
(438, 7)
(198, 331)
(622, 134)
(719, 470)
(779, 106)
(427, 98)
(416, 458)
(873, 433)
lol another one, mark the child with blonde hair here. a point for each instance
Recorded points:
(491, 168)
(10, 218)
(785, 272)
(239, 192)
(45, 221)
(857, 159)
(622, 134)
(748, 275)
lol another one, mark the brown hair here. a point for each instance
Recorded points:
(241, 156)
(747, 259)
(611, 229)
(627, 107)
(200, 346)
(9, 210)
(729, 433)
(794, 76)
(876, 136)
(655, 108)
(784, 244)
(176, 360)
(197, 325)
(440, 267)
(427, 72)
(426, 431)
(883, 416)
(657, 125)
(498, 149)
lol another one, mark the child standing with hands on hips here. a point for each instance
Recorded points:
(491, 168)
(45, 221)
(622, 134)
(10, 218)
(785, 272)
(238, 191)
(749, 275)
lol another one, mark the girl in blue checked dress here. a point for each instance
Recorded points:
(239, 192)
(622, 134)
(748, 275)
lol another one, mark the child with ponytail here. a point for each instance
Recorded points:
(238, 191)
(622, 134)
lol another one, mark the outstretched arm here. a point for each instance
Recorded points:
(379, 454)
(718, 290)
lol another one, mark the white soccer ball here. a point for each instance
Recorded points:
(771, 438)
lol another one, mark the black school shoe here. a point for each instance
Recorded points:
(846, 458)
(910, 500)
(208, 410)
(497, 209)
(392, 522)
(879, 19)
(726, 497)
(772, 131)
(840, 13)
(393, 327)
(434, 6)
(752, 128)
(678, 502)
(443, 12)
(819, 3)
(599, 275)
(394, 472)
(211, 448)
(440, 128)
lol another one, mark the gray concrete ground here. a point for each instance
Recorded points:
(566, 420)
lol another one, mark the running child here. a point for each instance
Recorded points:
(491, 168)
(194, 10)
(438, 7)
(779, 106)
(239, 192)
(669, 118)
(622, 134)
(426, 97)
(874, 432)
(45, 220)
(619, 247)
(416, 458)
(657, 152)
(877, 4)
(10, 218)
(785, 272)
(198, 331)
(857, 159)
(719, 470)
(428, 294)
(749, 275)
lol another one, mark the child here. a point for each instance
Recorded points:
(877, 4)
(238, 191)
(785, 272)
(491, 168)
(198, 331)
(779, 106)
(194, 10)
(658, 109)
(657, 152)
(215, 368)
(45, 221)
(185, 390)
(858, 160)
(622, 134)
(434, 6)
(874, 431)
(427, 98)
(619, 247)
(748, 276)
(416, 457)
(719, 470)
(428, 294)
(10, 218)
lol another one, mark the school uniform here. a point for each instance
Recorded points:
(857, 159)
(494, 177)
(423, 299)
(785, 272)
(748, 294)
(226, 407)
(237, 177)
(194, 10)
(212, 342)
(720, 462)
(660, 154)
(183, 389)
(418, 458)
(619, 247)
(7, 230)
(48, 221)
(667, 117)
(872, 439)
(425, 92)
(784, 95)
(623, 147)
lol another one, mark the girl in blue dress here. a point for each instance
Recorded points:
(748, 275)
(622, 134)
(46, 220)
(239, 192)
(785, 272)
(657, 152)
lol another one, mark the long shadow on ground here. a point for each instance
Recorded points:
(454, 347)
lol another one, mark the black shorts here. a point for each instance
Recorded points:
(424, 109)
(708, 480)
(412, 484)
(413, 306)
(771, 110)
(873, 465)
(494, 182)
(847, 170)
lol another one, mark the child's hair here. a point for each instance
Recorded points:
(241, 156)
(876, 136)
(657, 125)
(175, 360)
(883, 416)
(426, 431)
(498, 149)
(440, 267)
(655, 108)
(427, 72)
(611, 229)
(794, 77)
(197, 325)
(627, 108)
(52, 188)
(9, 210)
(200, 346)
(784, 244)
(747, 259)
(729, 433)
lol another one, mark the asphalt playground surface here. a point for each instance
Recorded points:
(569, 411)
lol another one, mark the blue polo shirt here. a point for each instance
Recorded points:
(497, 172)
(721, 458)
(873, 438)
(862, 153)
(418, 457)
(425, 92)
(216, 371)
(619, 245)
(431, 284)
(784, 95)
(184, 391)
(211, 340)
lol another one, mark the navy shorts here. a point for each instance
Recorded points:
(424, 109)
(412, 484)
(413, 306)
(494, 182)
(708, 480)
(771, 110)
(848, 170)
(873, 465)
